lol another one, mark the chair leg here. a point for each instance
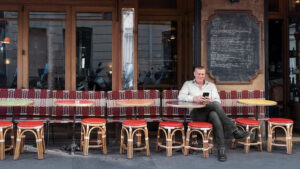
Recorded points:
(289, 139)
(169, 143)
(104, 148)
(22, 144)
(86, 141)
(130, 144)
(147, 142)
(205, 145)
(187, 142)
(270, 137)
(139, 138)
(259, 139)
(2, 145)
(18, 144)
(39, 143)
(122, 141)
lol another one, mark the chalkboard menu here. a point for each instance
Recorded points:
(232, 43)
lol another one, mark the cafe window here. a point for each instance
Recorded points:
(94, 51)
(47, 50)
(294, 6)
(8, 49)
(157, 55)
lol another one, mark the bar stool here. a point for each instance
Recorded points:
(205, 131)
(132, 127)
(37, 128)
(248, 125)
(287, 126)
(89, 124)
(5, 126)
(169, 129)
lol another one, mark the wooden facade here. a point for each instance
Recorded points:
(183, 14)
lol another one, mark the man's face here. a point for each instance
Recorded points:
(199, 75)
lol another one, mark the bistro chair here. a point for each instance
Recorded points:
(204, 129)
(131, 128)
(89, 124)
(248, 125)
(169, 130)
(287, 126)
(5, 127)
(35, 127)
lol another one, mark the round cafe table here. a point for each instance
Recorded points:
(74, 104)
(15, 103)
(186, 105)
(135, 103)
(256, 103)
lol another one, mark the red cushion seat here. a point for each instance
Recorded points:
(246, 121)
(280, 120)
(134, 123)
(30, 124)
(171, 124)
(200, 125)
(5, 123)
(93, 121)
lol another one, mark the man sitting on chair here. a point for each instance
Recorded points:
(192, 91)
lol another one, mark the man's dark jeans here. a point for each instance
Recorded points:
(214, 113)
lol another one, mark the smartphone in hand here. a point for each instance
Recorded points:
(205, 94)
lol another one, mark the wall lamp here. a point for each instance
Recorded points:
(6, 40)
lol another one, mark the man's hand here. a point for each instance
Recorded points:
(200, 99)
(197, 99)
(206, 100)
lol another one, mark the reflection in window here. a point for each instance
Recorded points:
(294, 49)
(294, 5)
(46, 50)
(157, 55)
(93, 52)
(127, 47)
(8, 49)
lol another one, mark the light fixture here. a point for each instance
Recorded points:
(297, 1)
(7, 61)
(6, 40)
(172, 37)
(109, 64)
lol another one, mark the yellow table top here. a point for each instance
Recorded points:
(15, 102)
(181, 104)
(74, 103)
(135, 102)
(257, 102)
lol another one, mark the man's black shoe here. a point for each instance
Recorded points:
(221, 154)
(240, 134)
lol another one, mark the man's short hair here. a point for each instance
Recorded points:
(199, 67)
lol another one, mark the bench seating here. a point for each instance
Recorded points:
(62, 114)
(40, 110)
(43, 108)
